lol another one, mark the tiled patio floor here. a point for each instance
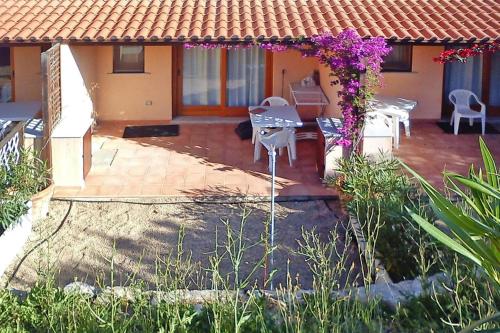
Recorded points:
(209, 160)
(205, 159)
(430, 151)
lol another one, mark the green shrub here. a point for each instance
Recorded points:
(377, 192)
(19, 181)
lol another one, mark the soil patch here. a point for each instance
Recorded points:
(84, 237)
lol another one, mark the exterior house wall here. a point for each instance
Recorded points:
(72, 134)
(124, 96)
(77, 78)
(27, 80)
(332, 110)
(423, 84)
(296, 68)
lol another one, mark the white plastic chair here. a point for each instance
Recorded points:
(271, 101)
(461, 99)
(274, 140)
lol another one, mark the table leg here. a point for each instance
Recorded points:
(395, 124)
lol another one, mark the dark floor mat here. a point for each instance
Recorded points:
(466, 129)
(150, 131)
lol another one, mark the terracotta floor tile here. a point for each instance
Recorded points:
(195, 179)
(152, 189)
(211, 160)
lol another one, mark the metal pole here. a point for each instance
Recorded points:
(272, 156)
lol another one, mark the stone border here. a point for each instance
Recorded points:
(199, 199)
(381, 275)
(13, 239)
(391, 294)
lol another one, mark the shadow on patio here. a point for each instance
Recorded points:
(204, 160)
(430, 151)
(209, 160)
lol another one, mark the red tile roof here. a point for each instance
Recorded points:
(158, 20)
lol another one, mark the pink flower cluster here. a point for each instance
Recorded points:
(348, 56)
(216, 45)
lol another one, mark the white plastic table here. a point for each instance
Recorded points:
(308, 96)
(397, 108)
(275, 116)
(19, 111)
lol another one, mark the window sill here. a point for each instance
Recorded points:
(133, 73)
(399, 72)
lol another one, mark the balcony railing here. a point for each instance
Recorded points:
(11, 143)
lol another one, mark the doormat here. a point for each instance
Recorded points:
(466, 129)
(150, 131)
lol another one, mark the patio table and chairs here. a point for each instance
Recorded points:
(284, 117)
(270, 101)
(397, 108)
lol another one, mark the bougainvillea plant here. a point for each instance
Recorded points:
(462, 54)
(354, 64)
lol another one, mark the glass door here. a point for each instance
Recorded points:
(5, 75)
(222, 82)
(245, 77)
(201, 84)
(494, 89)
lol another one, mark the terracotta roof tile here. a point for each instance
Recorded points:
(102, 20)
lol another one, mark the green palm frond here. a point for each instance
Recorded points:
(474, 220)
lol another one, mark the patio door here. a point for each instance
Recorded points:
(6, 76)
(219, 81)
(481, 75)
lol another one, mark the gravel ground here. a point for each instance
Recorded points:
(83, 238)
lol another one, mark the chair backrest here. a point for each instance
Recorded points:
(461, 97)
(277, 139)
(274, 101)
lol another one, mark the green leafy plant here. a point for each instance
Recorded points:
(19, 180)
(29, 175)
(376, 192)
(474, 220)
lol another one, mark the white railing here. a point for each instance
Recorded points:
(11, 143)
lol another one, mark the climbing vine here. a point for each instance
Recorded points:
(354, 63)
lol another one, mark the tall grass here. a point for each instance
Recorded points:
(235, 302)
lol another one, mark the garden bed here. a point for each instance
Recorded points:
(137, 234)
(375, 194)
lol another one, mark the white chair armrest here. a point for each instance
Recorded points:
(483, 107)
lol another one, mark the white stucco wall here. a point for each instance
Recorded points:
(76, 100)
